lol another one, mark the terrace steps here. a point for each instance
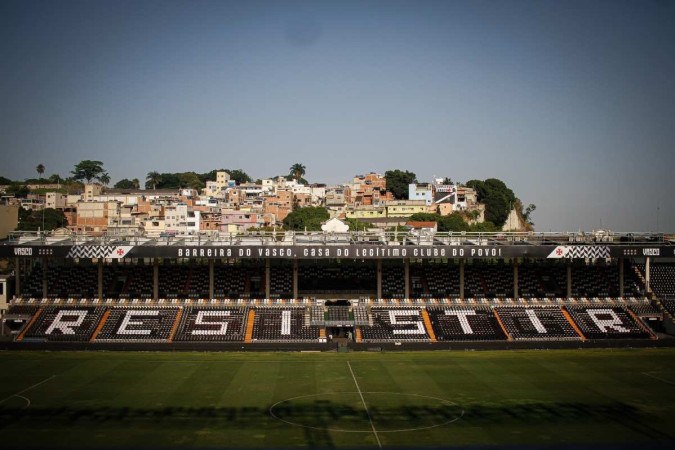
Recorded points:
(174, 328)
(249, 326)
(572, 323)
(427, 325)
(100, 325)
(501, 325)
(644, 327)
(30, 324)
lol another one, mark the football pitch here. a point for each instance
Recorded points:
(337, 400)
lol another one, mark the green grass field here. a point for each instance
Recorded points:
(148, 399)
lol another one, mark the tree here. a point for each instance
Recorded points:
(236, 175)
(87, 170)
(424, 217)
(452, 222)
(239, 176)
(447, 180)
(497, 197)
(54, 178)
(104, 178)
(484, 227)
(153, 179)
(527, 214)
(166, 181)
(137, 183)
(297, 171)
(479, 187)
(300, 180)
(5, 181)
(33, 220)
(18, 190)
(398, 181)
(190, 180)
(309, 218)
(24, 213)
(40, 170)
(357, 225)
(125, 184)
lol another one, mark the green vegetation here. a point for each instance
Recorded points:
(498, 199)
(88, 170)
(55, 179)
(527, 214)
(309, 218)
(357, 225)
(127, 184)
(152, 179)
(580, 398)
(452, 222)
(104, 178)
(398, 181)
(178, 180)
(18, 190)
(33, 220)
(297, 170)
(237, 175)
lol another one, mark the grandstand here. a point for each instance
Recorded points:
(310, 289)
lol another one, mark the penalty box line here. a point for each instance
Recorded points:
(372, 425)
(18, 394)
(658, 378)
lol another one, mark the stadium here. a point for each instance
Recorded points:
(341, 290)
(377, 224)
(366, 302)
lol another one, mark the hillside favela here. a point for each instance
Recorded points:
(379, 258)
(339, 225)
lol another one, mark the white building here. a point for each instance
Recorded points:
(55, 200)
(181, 219)
(154, 226)
(421, 191)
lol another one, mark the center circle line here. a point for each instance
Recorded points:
(442, 400)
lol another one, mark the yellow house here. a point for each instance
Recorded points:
(405, 208)
(366, 212)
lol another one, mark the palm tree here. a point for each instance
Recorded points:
(40, 170)
(104, 178)
(153, 178)
(297, 170)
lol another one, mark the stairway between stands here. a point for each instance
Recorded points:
(572, 323)
(249, 326)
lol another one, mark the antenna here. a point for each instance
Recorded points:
(658, 210)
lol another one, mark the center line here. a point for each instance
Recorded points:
(372, 425)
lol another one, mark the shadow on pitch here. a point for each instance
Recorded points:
(318, 417)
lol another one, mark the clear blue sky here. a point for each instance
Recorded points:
(571, 103)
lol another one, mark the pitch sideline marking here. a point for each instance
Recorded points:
(18, 394)
(377, 438)
(658, 378)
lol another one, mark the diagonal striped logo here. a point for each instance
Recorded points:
(580, 252)
(99, 251)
